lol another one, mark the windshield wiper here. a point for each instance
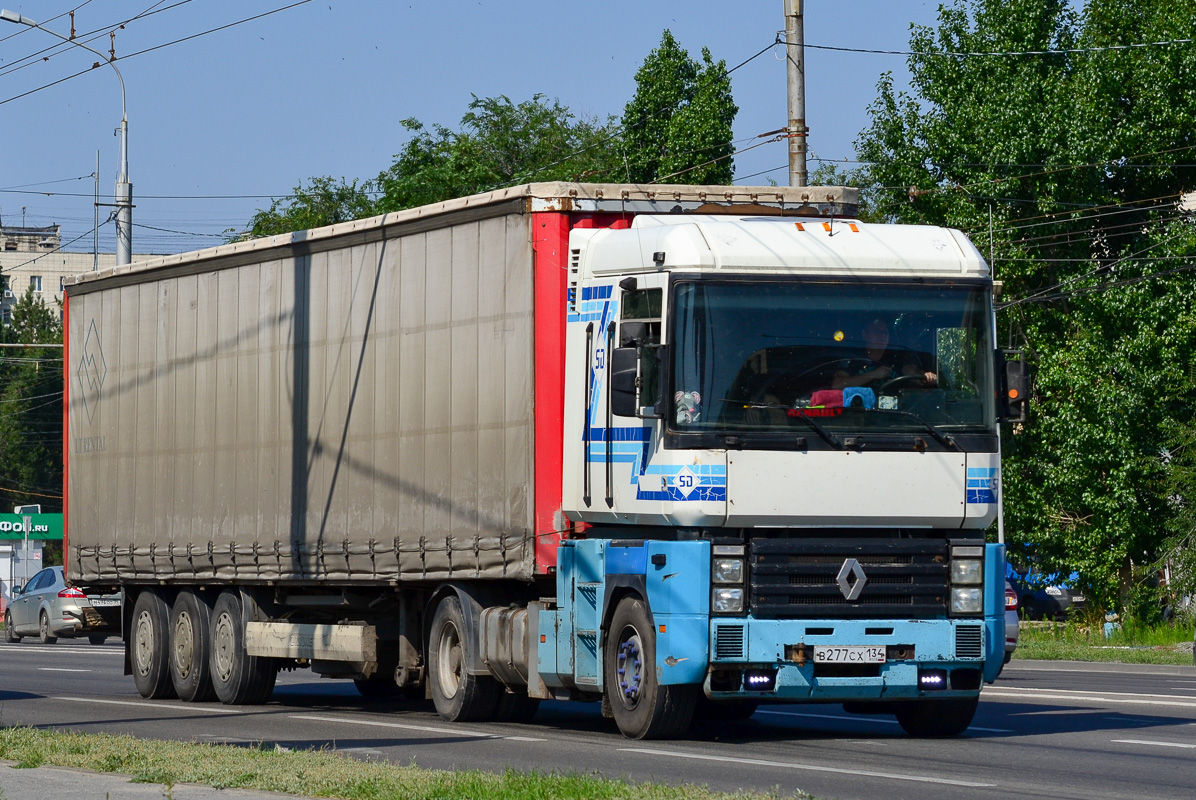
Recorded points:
(794, 413)
(945, 439)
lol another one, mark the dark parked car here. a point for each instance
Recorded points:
(47, 608)
(1054, 601)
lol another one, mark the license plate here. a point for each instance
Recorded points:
(848, 654)
(1077, 598)
(97, 603)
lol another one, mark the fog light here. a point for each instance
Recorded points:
(932, 680)
(727, 601)
(727, 570)
(966, 601)
(760, 680)
(965, 570)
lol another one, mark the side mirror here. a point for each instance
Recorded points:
(1015, 388)
(624, 375)
(16, 590)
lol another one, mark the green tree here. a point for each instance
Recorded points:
(499, 143)
(323, 201)
(31, 408)
(677, 126)
(1078, 156)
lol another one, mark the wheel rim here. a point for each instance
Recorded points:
(44, 627)
(629, 664)
(449, 658)
(144, 643)
(184, 644)
(222, 647)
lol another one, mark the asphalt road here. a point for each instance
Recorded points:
(1063, 730)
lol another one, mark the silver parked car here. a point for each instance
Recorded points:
(1011, 623)
(47, 608)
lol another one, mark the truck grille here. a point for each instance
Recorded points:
(728, 642)
(969, 642)
(799, 578)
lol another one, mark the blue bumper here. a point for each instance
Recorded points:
(958, 647)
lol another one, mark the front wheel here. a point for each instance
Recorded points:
(10, 633)
(642, 707)
(936, 718)
(43, 630)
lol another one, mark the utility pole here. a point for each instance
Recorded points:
(795, 63)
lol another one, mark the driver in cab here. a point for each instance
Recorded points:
(878, 365)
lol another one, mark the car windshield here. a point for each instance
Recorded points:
(775, 356)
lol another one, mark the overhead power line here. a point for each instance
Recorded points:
(158, 47)
(1000, 53)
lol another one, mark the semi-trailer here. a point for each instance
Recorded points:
(673, 449)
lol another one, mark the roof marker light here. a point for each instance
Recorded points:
(800, 227)
(854, 228)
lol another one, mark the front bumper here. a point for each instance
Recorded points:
(968, 651)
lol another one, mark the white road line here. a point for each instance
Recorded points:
(459, 732)
(756, 762)
(1156, 744)
(60, 669)
(862, 718)
(151, 706)
(1075, 695)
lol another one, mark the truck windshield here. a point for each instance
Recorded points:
(799, 357)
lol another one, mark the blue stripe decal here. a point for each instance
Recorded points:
(982, 483)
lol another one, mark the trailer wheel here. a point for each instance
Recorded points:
(935, 718)
(643, 708)
(458, 696)
(190, 647)
(237, 677)
(149, 646)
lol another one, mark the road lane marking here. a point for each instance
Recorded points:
(756, 762)
(458, 732)
(148, 705)
(1156, 744)
(864, 718)
(1077, 695)
(60, 669)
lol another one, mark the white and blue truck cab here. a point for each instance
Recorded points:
(781, 448)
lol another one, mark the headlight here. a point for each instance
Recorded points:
(727, 601)
(965, 570)
(727, 570)
(966, 601)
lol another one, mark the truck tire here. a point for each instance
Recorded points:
(43, 629)
(10, 633)
(457, 695)
(149, 646)
(237, 677)
(190, 647)
(642, 708)
(936, 718)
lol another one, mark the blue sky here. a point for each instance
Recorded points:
(222, 121)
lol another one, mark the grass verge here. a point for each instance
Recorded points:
(319, 773)
(1132, 644)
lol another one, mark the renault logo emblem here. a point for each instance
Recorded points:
(851, 579)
